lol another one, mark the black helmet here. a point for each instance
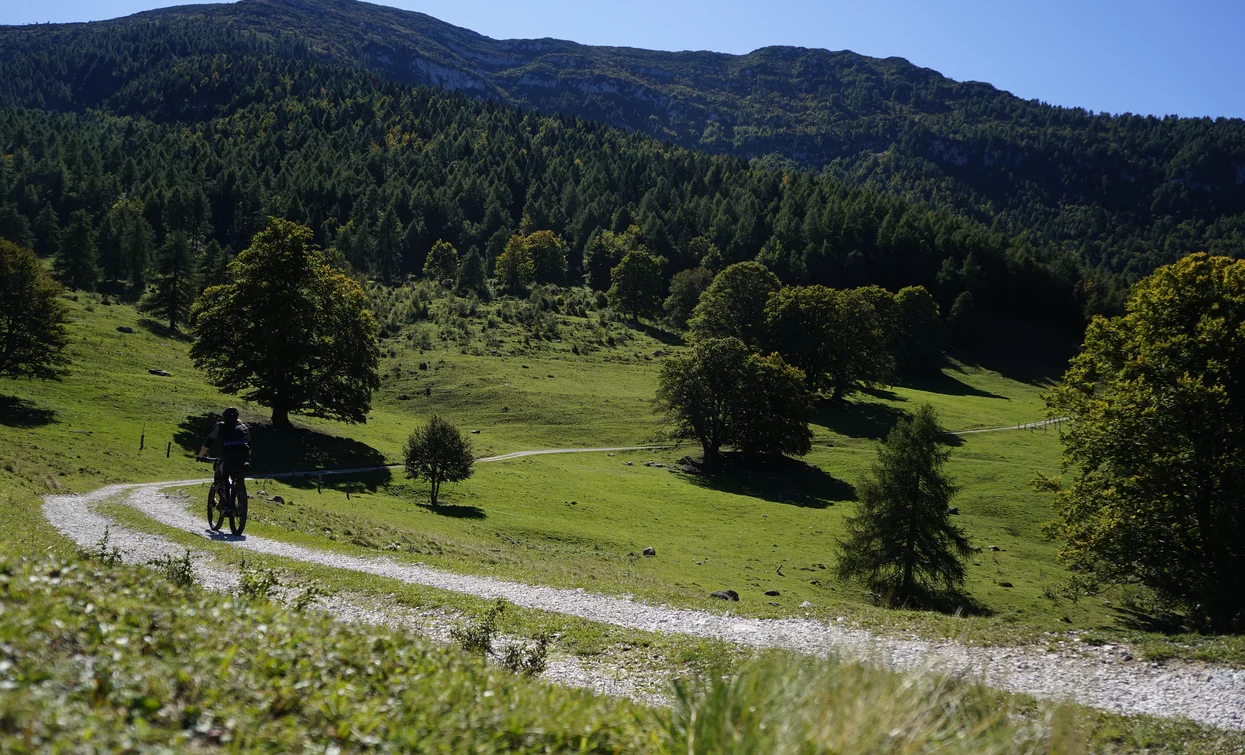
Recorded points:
(230, 414)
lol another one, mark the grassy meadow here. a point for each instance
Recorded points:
(554, 372)
(576, 520)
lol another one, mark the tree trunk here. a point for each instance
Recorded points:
(711, 458)
(436, 489)
(281, 417)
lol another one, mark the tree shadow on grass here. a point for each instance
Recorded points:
(1020, 351)
(950, 602)
(454, 511)
(660, 334)
(857, 419)
(276, 452)
(777, 479)
(1158, 622)
(19, 412)
(162, 330)
(946, 385)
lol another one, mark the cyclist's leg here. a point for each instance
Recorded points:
(236, 471)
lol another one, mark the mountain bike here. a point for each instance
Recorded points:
(226, 498)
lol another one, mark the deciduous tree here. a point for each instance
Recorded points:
(1156, 444)
(720, 393)
(901, 541)
(636, 287)
(548, 253)
(438, 452)
(832, 335)
(442, 262)
(289, 331)
(734, 304)
(514, 268)
(685, 289)
(605, 250)
(919, 332)
(33, 319)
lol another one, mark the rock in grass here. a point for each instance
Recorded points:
(725, 595)
(772, 593)
(1006, 584)
(953, 511)
(650, 551)
(160, 373)
(124, 329)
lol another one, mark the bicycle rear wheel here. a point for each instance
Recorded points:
(215, 517)
(237, 520)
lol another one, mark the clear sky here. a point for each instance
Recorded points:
(1184, 57)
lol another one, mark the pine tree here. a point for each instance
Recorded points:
(213, 265)
(901, 543)
(15, 227)
(390, 237)
(176, 282)
(47, 231)
(472, 277)
(77, 265)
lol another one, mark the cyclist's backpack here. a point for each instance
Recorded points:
(236, 440)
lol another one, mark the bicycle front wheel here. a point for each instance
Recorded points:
(215, 517)
(237, 520)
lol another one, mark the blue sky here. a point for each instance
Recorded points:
(1143, 56)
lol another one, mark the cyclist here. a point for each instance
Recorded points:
(235, 439)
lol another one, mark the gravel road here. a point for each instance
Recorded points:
(1094, 676)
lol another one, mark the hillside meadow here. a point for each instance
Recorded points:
(553, 379)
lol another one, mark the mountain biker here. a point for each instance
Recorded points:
(235, 439)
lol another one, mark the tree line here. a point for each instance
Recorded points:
(384, 173)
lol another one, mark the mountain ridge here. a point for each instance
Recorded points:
(1123, 192)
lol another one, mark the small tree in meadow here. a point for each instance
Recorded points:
(438, 452)
(442, 262)
(902, 542)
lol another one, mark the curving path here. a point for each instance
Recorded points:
(1099, 677)
(1022, 426)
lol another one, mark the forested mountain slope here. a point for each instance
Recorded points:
(205, 147)
(1124, 193)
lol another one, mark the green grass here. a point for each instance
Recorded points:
(119, 658)
(490, 371)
